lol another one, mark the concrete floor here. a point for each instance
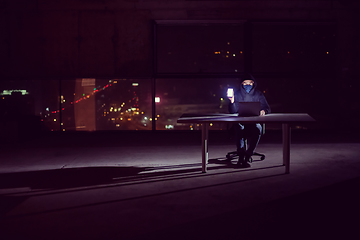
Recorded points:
(138, 185)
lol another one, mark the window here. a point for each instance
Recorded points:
(189, 95)
(305, 48)
(103, 104)
(199, 47)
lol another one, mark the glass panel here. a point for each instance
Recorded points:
(294, 47)
(29, 106)
(204, 48)
(50, 107)
(91, 104)
(202, 96)
(179, 96)
(314, 96)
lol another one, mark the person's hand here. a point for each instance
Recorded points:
(262, 113)
(232, 99)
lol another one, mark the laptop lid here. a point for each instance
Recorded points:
(248, 109)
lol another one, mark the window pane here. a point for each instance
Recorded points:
(298, 94)
(28, 106)
(200, 48)
(102, 104)
(50, 112)
(294, 47)
(201, 96)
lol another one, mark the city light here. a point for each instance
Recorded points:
(9, 92)
(127, 114)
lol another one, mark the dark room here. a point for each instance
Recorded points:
(179, 119)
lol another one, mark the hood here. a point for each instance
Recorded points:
(248, 77)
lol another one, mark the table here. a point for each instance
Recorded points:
(283, 118)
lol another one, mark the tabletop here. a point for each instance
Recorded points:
(268, 118)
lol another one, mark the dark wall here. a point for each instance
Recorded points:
(77, 38)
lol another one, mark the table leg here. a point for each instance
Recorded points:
(286, 146)
(205, 153)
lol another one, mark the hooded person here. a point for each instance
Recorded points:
(248, 92)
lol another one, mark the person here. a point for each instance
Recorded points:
(250, 133)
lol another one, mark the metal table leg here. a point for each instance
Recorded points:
(286, 146)
(205, 152)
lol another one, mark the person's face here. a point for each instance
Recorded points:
(248, 82)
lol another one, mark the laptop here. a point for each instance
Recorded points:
(248, 109)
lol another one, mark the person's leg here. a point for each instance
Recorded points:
(240, 141)
(253, 134)
(239, 137)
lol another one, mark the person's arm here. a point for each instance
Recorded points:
(232, 105)
(265, 108)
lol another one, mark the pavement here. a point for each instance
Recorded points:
(149, 185)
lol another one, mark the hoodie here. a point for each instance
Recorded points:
(254, 95)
